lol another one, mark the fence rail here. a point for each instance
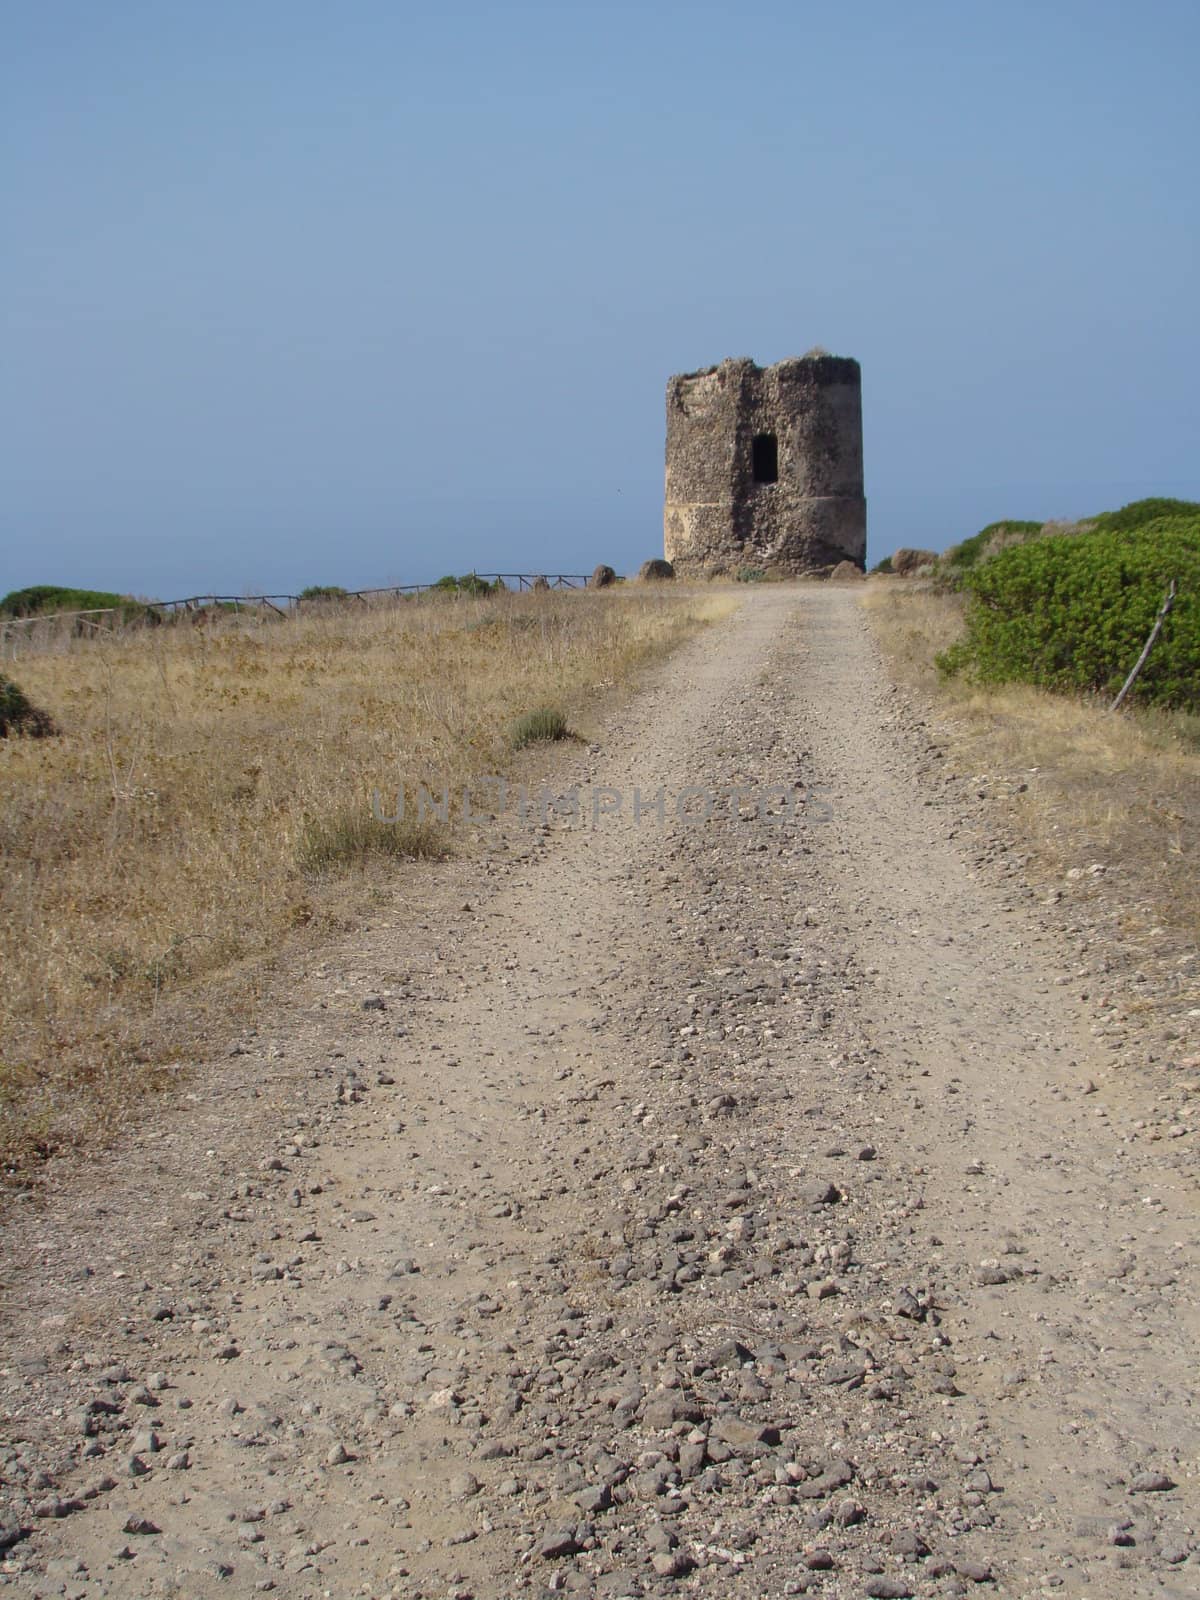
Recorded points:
(211, 607)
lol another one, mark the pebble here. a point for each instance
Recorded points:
(1151, 1483)
(140, 1525)
(559, 1542)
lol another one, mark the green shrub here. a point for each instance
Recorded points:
(467, 584)
(883, 566)
(1072, 612)
(964, 556)
(537, 727)
(751, 575)
(323, 591)
(18, 716)
(44, 599)
(350, 837)
(1141, 512)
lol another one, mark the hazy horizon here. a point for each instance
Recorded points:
(295, 296)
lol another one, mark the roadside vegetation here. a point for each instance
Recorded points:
(207, 797)
(1069, 608)
(47, 599)
(1022, 645)
(542, 726)
(18, 717)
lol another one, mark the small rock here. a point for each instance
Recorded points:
(907, 1305)
(594, 1500)
(140, 1525)
(994, 1274)
(667, 1407)
(741, 1435)
(670, 1564)
(974, 1571)
(1151, 1483)
(559, 1542)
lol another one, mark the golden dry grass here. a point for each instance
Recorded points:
(1119, 789)
(211, 793)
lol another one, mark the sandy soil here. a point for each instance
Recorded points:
(728, 1207)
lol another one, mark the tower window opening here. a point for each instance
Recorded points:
(765, 458)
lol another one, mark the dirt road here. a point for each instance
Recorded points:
(660, 1206)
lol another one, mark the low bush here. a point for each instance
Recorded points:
(349, 838)
(537, 727)
(966, 555)
(468, 584)
(323, 591)
(45, 599)
(17, 716)
(1072, 611)
(1138, 513)
(751, 575)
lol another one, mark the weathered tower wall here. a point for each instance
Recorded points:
(765, 467)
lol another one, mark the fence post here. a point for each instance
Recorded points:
(1164, 612)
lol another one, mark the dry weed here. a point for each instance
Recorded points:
(211, 791)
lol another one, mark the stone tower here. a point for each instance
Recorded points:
(765, 467)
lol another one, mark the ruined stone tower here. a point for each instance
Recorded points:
(765, 467)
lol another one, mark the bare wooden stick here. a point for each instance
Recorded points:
(1164, 612)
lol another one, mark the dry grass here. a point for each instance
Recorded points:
(211, 793)
(1123, 790)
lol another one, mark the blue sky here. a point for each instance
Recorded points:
(298, 293)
